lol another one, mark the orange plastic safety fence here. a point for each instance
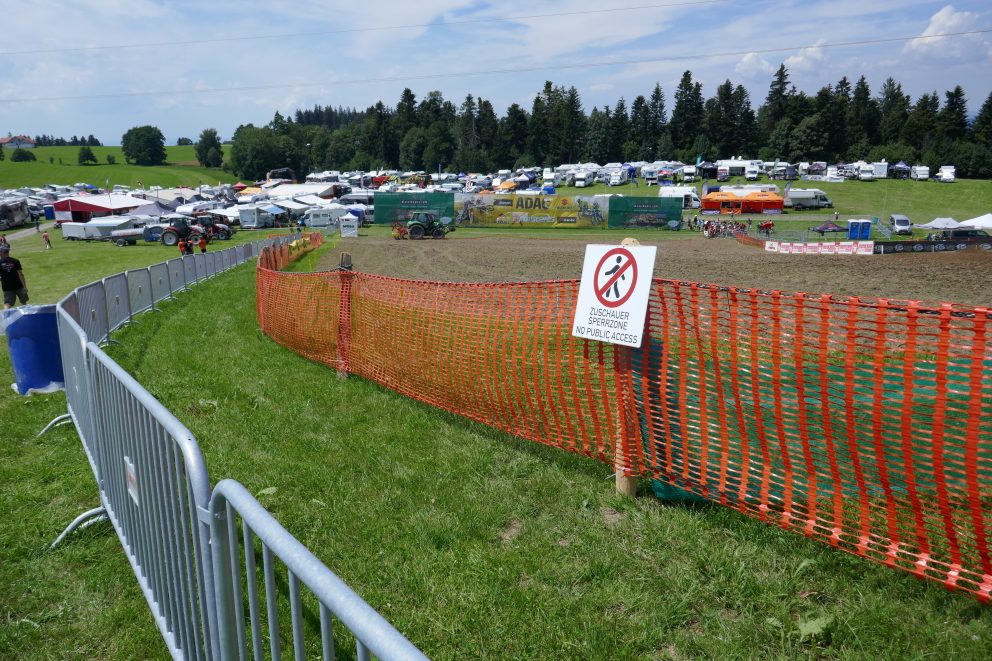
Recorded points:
(855, 422)
(501, 354)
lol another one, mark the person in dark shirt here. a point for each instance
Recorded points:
(12, 279)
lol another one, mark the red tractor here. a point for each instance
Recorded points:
(181, 227)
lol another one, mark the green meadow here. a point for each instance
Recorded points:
(473, 543)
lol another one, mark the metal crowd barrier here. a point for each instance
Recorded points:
(154, 488)
(372, 632)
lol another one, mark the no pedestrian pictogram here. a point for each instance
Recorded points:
(615, 278)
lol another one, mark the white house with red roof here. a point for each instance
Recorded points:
(17, 141)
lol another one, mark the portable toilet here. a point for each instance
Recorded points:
(49, 212)
(858, 229)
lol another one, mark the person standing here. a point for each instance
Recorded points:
(202, 243)
(37, 223)
(182, 247)
(11, 279)
(48, 241)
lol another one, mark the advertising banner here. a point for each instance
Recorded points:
(656, 212)
(398, 207)
(515, 210)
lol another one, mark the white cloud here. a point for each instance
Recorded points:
(962, 47)
(752, 65)
(807, 58)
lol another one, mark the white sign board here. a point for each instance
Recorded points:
(613, 294)
(349, 226)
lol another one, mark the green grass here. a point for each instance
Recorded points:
(181, 169)
(473, 543)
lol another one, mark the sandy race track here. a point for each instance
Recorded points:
(961, 277)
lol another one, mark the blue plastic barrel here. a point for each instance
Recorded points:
(33, 341)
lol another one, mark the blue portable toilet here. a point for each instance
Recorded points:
(49, 212)
(548, 189)
(33, 342)
(865, 232)
(854, 230)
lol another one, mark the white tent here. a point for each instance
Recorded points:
(940, 224)
(983, 222)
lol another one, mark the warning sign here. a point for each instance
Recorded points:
(613, 294)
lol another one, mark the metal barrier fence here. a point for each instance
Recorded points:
(372, 632)
(153, 483)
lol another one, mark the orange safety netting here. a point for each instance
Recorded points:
(856, 422)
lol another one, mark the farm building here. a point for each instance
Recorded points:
(17, 142)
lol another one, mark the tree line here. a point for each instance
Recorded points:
(842, 122)
(74, 141)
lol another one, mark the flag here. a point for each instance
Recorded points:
(706, 187)
(785, 193)
(699, 160)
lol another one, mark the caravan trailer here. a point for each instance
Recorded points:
(946, 174)
(919, 172)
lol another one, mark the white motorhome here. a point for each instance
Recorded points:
(751, 173)
(919, 172)
(946, 174)
(807, 198)
(722, 173)
(324, 216)
(689, 195)
(689, 174)
(881, 169)
(584, 178)
(618, 177)
(866, 172)
(253, 217)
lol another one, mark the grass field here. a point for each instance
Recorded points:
(59, 165)
(473, 543)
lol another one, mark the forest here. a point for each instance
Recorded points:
(842, 122)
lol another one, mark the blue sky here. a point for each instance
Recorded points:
(219, 64)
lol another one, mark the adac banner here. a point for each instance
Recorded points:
(398, 207)
(515, 210)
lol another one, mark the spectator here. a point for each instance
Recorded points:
(202, 243)
(182, 247)
(11, 279)
(48, 241)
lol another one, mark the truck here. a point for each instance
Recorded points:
(688, 194)
(807, 198)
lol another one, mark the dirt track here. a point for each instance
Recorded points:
(964, 277)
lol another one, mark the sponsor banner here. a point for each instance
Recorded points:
(515, 210)
(398, 207)
(656, 212)
(896, 247)
(821, 248)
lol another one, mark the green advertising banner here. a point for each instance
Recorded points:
(657, 212)
(396, 207)
(516, 210)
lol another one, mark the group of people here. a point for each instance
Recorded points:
(188, 247)
(713, 228)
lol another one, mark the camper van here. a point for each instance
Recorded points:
(584, 178)
(946, 174)
(723, 173)
(866, 172)
(618, 177)
(690, 198)
(807, 198)
(255, 218)
(919, 172)
(689, 174)
(751, 173)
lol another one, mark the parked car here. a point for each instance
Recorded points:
(899, 224)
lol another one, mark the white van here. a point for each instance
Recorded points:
(899, 224)
(584, 178)
(618, 177)
(690, 198)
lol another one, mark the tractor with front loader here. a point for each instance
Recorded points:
(423, 224)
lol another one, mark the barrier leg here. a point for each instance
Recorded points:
(82, 521)
(58, 421)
